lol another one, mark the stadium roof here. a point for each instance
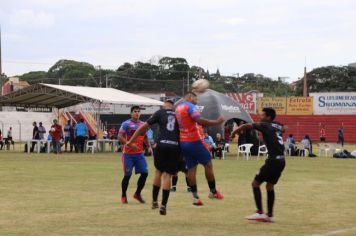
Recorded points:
(60, 96)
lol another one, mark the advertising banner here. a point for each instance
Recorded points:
(247, 100)
(299, 105)
(278, 103)
(338, 103)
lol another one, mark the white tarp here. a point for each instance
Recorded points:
(107, 95)
(336, 103)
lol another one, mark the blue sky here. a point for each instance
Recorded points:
(271, 37)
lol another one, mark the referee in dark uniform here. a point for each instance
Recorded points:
(166, 154)
(274, 165)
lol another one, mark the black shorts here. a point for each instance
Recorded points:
(271, 171)
(166, 158)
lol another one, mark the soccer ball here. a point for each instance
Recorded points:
(200, 85)
(53, 129)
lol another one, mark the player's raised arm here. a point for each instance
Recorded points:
(206, 122)
(240, 129)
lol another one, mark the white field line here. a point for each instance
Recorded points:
(335, 232)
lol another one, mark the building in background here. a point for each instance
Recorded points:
(12, 85)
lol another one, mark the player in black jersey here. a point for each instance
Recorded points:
(274, 165)
(166, 153)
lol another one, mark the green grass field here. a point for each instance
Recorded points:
(79, 194)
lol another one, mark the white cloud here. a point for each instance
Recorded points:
(26, 17)
(233, 21)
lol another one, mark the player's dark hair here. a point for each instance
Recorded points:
(270, 112)
(169, 101)
(135, 108)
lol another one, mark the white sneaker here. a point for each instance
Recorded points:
(257, 216)
(269, 219)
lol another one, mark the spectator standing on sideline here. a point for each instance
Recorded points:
(56, 132)
(35, 135)
(81, 132)
(322, 134)
(68, 136)
(9, 139)
(1, 141)
(41, 131)
(340, 136)
(113, 133)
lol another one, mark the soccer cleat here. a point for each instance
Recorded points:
(197, 202)
(163, 211)
(139, 198)
(257, 217)
(154, 205)
(123, 200)
(216, 195)
(174, 189)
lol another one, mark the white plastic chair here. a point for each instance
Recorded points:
(262, 150)
(224, 150)
(322, 149)
(245, 149)
(302, 150)
(331, 149)
(91, 145)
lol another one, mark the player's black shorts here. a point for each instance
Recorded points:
(271, 171)
(166, 158)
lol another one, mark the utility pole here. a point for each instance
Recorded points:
(305, 85)
(106, 80)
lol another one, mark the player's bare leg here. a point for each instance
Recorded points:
(209, 175)
(155, 189)
(192, 172)
(166, 187)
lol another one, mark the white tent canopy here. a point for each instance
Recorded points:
(60, 96)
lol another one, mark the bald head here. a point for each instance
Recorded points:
(191, 97)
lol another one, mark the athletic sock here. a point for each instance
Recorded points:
(141, 183)
(174, 181)
(124, 185)
(258, 199)
(186, 181)
(212, 186)
(165, 196)
(155, 191)
(270, 202)
(194, 191)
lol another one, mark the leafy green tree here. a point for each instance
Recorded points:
(72, 72)
(34, 76)
(329, 79)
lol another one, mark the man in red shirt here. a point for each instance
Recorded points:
(322, 134)
(56, 132)
(192, 144)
